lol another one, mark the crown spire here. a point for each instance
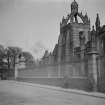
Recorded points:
(74, 7)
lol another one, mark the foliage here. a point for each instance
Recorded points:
(29, 59)
(8, 59)
(12, 55)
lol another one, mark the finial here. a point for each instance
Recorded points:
(97, 23)
(68, 15)
(74, 7)
(74, 3)
(89, 20)
(63, 17)
(86, 15)
(97, 15)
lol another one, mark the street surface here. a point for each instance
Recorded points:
(20, 93)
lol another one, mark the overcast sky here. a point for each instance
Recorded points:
(34, 24)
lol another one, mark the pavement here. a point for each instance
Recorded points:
(21, 93)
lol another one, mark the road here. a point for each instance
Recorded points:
(20, 93)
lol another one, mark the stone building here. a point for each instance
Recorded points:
(79, 49)
(79, 53)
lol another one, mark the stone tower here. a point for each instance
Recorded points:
(70, 28)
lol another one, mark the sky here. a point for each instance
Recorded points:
(33, 25)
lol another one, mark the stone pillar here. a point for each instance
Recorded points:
(59, 59)
(50, 59)
(82, 43)
(60, 48)
(16, 71)
(59, 54)
(67, 55)
(82, 48)
(59, 70)
(93, 69)
(67, 49)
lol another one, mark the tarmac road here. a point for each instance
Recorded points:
(20, 93)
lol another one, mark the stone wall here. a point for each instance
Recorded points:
(54, 71)
(66, 75)
(72, 75)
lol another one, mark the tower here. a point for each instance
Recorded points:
(70, 28)
(92, 60)
(69, 39)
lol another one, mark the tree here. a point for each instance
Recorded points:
(1, 52)
(9, 57)
(29, 59)
(13, 54)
